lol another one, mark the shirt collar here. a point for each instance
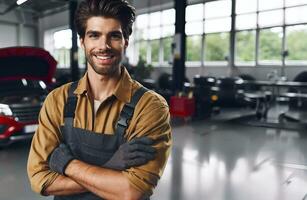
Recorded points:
(123, 89)
(82, 85)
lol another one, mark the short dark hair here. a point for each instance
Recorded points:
(119, 9)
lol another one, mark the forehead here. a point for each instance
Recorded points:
(103, 24)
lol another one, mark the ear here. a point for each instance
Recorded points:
(82, 43)
(126, 43)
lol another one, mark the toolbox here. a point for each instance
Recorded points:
(182, 106)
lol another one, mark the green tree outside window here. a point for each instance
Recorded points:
(167, 48)
(216, 46)
(296, 40)
(193, 48)
(155, 45)
(270, 46)
(245, 46)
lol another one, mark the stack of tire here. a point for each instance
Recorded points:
(204, 96)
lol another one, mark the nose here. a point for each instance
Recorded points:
(104, 44)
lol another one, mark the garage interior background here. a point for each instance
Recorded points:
(45, 24)
(36, 22)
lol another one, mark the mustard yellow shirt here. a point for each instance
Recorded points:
(151, 118)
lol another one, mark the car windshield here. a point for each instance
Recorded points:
(21, 86)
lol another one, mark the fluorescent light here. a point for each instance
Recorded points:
(19, 2)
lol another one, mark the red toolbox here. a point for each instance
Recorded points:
(182, 106)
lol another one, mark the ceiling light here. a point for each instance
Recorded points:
(19, 2)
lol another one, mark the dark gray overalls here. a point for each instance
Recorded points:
(90, 147)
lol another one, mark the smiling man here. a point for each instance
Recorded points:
(105, 136)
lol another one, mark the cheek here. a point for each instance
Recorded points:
(119, 46)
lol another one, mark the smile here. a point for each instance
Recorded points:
(104, 57)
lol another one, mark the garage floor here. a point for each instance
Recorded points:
(214, 160)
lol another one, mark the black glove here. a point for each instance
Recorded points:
(60, 158)
(133, 153)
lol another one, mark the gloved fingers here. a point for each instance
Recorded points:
(60, 158)
(140, 154)
(142, 140)
(136, 162)
(141, 147)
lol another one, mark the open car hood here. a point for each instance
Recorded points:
(26, 62)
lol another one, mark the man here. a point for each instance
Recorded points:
(104, 137)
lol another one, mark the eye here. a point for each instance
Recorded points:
(116, 36)
(93, 36)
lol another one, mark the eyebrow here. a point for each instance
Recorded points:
(99, 33)
(116, 32)
(92, 32)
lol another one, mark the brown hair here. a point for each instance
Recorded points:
(119, 9)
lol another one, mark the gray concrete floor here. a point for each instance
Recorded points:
(210, 160)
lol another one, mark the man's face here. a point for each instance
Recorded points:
(104, 45)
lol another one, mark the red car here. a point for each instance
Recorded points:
(25, 73)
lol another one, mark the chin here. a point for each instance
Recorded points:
(107, 70)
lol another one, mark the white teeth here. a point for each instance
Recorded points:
(103, 57)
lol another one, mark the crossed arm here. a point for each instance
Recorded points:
(107, 183)
(82, 177)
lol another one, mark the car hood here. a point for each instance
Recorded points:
(26, 62)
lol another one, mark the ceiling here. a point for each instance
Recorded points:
(42, 7)
(37, 7)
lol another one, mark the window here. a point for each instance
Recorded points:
(271, 4)
(155, 45)
(143, 49)
(209, 22)
(246, 21)
(62, 44)
(217, 24)
(296, 15)
(167, 49)
(216, 48)
(245, 48)
(266, 22)
(270, 18)
(153, 37)
(58, 43)
(296, 44)
(295, 2)
(193, 48)
(243, 6)
(215, 9)
(270, 48)
(264, 31)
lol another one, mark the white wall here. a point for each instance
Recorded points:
(55, 21)
(17, 29)
(8, 35)
(260, 73)
(28, 37)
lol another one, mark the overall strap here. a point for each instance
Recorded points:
(70, 106)
(127, 113)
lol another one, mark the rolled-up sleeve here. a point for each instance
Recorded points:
(45, 139)
(153, 121)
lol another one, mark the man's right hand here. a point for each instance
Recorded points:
(136, 152)
(60, 158)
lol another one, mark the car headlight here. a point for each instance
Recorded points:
(5, 110)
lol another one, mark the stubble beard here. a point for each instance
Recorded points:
(104, 71)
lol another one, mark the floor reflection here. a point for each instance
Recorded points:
(209, 161)
(231, 162)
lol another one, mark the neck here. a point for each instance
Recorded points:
(102, 86)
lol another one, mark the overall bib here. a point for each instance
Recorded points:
(90, 147)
